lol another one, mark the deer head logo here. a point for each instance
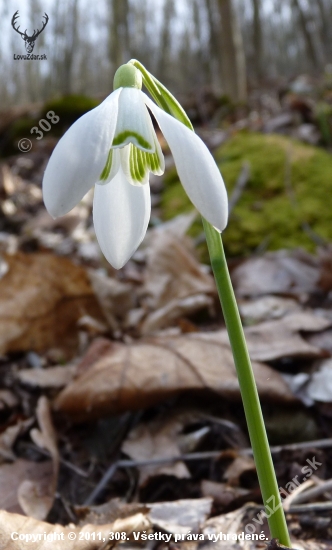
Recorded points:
(29, 40)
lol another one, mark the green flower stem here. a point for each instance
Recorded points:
(259, 442)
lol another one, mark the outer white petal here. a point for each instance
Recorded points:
(79, 157)
(196, 167)
(134, 124)
(121, 214)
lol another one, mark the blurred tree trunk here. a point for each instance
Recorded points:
(119, 46)
(71, 47)
(141, 45)
(233, 57)
(63, 24)
(304, 26)
(199, 53)
(215, 65)
(323, 34)
(257, 39)
(324, 23)
(166, 38)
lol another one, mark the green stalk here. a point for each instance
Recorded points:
(257, 433)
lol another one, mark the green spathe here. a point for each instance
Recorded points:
(127, 76)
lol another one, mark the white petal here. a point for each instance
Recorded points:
(196, 167)
(80, 156)
(134, 124)
(121, 214)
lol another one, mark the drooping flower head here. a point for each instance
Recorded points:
(115, 147)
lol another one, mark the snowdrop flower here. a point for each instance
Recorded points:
(115, 147)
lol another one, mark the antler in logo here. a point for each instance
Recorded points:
(29, 40)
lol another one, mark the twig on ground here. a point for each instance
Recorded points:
(323, 487)
(125, 422)
(311, 507)
(317, 443)
(64, 462)
(240, 185)
(127, 463)
(102, 484)
(292, 496)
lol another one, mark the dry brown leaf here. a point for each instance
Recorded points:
(14, 523)
(42, 298)
(320, 386)
(52, 377)
(140, 374)
(221, 493)
(13, 475)
(230, 523)
(180, 516)
(172, 272)
(173, 310)
(9, 436)
(36, 498)
(322, 340)
(7, 399)
(42, 222)
(148, 441)
(175, 283)
(277, 272)
(239, 465)
(115, 298)
(281, 338)
(266, 308)
(108, 512)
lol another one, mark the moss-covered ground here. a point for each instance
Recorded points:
(67, 108)
(290, 186)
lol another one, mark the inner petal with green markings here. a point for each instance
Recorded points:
(134, 123)
(136, 164)
(135, 146)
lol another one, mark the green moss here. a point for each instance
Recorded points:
(323, 115)
(290, 184)
(68, 108)
(19, 129)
